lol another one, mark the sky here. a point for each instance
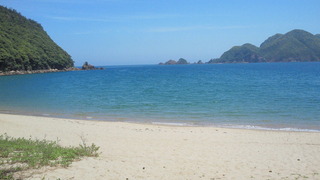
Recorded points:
(129, 32)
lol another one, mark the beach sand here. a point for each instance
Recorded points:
(146, 151)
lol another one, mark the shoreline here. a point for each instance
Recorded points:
(10, 73)
(149, 151)
(172, 122)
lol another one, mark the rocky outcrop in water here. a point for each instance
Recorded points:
(87, 66)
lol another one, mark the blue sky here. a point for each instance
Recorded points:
(123, 32)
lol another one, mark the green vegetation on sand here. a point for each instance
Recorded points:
(18, 154)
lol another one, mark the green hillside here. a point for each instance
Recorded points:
(294, 46)
(240, 54)
(24, 45)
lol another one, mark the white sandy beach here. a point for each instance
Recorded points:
(145, 151)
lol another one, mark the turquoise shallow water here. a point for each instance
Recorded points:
(263, 96)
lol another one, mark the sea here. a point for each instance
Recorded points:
(268, 96)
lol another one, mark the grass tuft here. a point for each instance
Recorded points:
(19, 154)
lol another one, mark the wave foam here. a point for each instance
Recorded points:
(171, 124)
(268, 128)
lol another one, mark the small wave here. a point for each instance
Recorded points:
(268, 128)
(171, 124)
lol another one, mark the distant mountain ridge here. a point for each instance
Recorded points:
(294, 46)
(25, 46)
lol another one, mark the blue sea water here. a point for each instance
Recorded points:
(284, 96)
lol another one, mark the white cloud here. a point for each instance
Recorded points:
(76, 1)
(191, 28)
(116, 18)
(64, 18)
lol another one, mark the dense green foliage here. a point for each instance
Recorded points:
(244, 53)
(17, 154)
(24, 45)
(294, 46)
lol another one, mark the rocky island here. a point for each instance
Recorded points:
(87, 66)
(173, 62)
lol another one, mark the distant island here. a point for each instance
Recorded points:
(294, 46)
(25, 47)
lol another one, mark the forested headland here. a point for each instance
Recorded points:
(25, 45)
